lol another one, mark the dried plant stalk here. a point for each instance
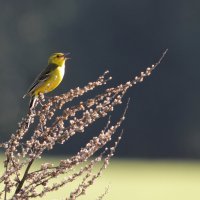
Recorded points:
(52, 122)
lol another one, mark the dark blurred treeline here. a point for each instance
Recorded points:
(124, 36)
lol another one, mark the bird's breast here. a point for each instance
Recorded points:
(62, 70)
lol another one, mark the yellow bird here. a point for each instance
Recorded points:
(49, 78)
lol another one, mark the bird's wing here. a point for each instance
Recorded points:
(41, 78)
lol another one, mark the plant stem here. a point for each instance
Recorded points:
(24, 177)
(5, 195)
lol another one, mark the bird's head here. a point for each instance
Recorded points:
(58, 58)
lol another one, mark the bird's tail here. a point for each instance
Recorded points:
(33, 102)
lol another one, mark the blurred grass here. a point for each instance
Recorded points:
(141, 180)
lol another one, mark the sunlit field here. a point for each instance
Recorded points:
(141, 180)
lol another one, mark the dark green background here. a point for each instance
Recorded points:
(124, 36)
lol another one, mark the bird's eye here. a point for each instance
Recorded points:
(58, 56)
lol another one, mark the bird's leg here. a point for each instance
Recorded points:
(41, 99)
(40, 102)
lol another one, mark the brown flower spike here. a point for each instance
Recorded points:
(45, 126)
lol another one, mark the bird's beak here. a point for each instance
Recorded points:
(66, 55)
